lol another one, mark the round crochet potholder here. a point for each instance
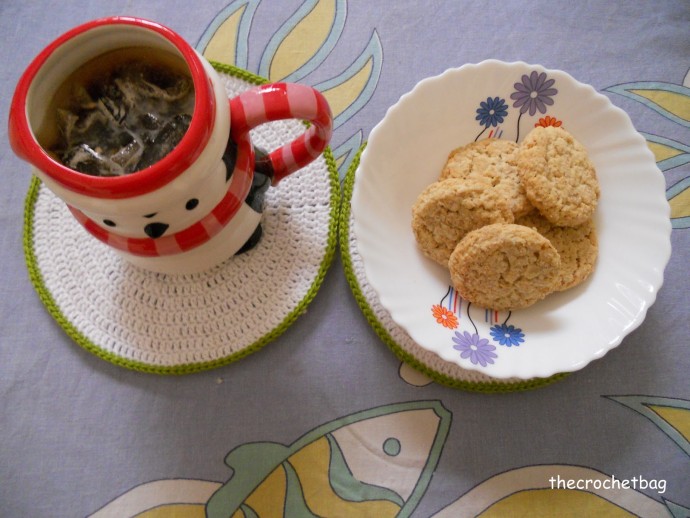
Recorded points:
(177, 324)
(408, 351)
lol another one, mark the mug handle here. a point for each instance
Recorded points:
(278, 101)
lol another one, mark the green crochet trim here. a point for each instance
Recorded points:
(400, 353)
(239, 73)
(55, 311)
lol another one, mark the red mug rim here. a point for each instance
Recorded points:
(146, 180)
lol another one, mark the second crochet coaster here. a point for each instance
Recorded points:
(394, 336)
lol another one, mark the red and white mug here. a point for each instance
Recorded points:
(188, 193)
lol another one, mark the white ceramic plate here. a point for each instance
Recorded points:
(565, 331)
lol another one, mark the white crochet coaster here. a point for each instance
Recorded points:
(175, 324)
(394, 336)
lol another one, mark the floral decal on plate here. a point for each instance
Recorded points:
(491, 113)
(468, 342)
(532, 94)
(444, 316)
(507, 335)
(547, 121)
(478, 350)
(448, 311)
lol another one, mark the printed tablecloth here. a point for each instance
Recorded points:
(335, 414)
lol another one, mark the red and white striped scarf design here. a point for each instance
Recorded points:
(248, 110)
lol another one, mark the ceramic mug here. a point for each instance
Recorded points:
(188, 211)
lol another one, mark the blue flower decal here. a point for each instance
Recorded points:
(492, 112)
(478, 350)
(507, 335)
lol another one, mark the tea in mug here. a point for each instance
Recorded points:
(120, 112)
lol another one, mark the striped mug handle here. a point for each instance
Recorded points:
(278, 101)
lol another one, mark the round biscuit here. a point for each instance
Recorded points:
(504, 267)
(577, 246)
(494, 161)
(558, 176)
(445, 211)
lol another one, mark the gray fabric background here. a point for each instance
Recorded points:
(76, 431)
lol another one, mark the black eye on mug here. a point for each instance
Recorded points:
(191, 204)
(109, 222)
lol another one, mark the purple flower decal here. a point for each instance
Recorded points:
(507, 335)
(491, 112)
(478, 350)
(533, 93)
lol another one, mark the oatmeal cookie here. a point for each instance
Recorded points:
(445, 211)
(504, 267)
(558, 176)
(577, 247)
(492, 161)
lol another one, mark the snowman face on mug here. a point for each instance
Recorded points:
(157, 218)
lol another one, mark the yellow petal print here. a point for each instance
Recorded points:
(678, 197)
(663, 152)
(223, 46)
(675, 103)
(670, 415)
(680, 205)
(298, 48)
(269, 498)
(669, 99)
(346, 153)
(225, 39)
(543, 502)
(336, 470)
(304, 40)
(174, 498)
(534, 491)
(176, 511)
(344, 94)
(312, 466)
(668, 153)
(678, 418)
(351, 90)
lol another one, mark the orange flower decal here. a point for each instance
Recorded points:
(547, 121)
(444, 316)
